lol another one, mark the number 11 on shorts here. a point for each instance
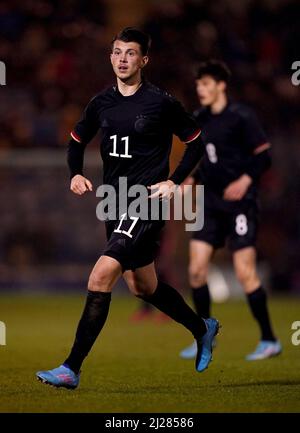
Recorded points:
(126, 232)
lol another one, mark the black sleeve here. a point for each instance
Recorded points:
(197, 174)
(75, 157)
(256, 140)
(83, 132)
(253, 133)
(257, 164)
(88, 125)
(181, 123)
(191, 157)
(185, 127)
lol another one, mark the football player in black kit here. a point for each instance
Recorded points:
(237, 153)
(137, 121)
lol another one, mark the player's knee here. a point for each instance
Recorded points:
(100, 282)
(141, 288)
(197, 275)
(245, 273)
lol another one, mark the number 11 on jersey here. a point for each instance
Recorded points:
(114, 138)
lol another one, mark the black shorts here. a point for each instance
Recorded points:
(134, 243)
(233, 222)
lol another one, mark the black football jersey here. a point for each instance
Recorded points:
(136, 132)
(230, 139)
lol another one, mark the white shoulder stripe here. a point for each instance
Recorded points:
(75, 137)
(193, 137)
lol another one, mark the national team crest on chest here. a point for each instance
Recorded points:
(146, 125)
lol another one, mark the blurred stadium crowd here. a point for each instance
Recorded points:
(56, 54)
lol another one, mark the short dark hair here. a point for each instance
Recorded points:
(131, 34)
(216, 69)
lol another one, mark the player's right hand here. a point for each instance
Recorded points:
(80, 184)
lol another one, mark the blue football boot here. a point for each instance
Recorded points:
(61, 377)
(205, 344)
(264, 350)
(189, 352)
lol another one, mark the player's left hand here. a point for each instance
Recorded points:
(238, 188)
(164, 190)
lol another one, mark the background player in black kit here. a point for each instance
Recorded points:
(137, 121)
(237, 153)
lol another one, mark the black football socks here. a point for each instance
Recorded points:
(92, 321)
(170, 302)
(201, 298)
(258, 305)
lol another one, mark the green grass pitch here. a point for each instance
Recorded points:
(136, 368)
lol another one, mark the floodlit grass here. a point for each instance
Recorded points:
(136, 367)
